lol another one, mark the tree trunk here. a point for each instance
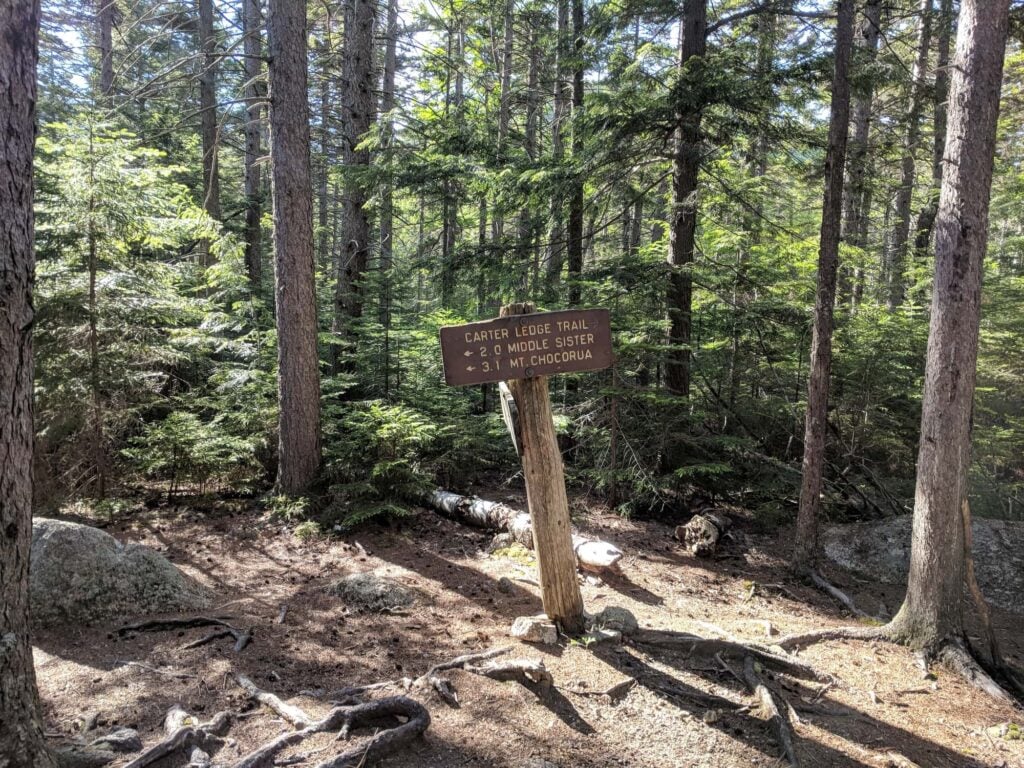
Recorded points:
(857, 193)
(815, 427)
(357, 113)
(295, 291)
(504, 115)
(208, 110)
(106, 13)
(21, 723)
(325, 160)
(387, 204)
(92, 309)
(574, 224)
(562, 105)
(905, 193)
(926, 218)
(524, 240)
(683, 219)
(932, 610)
(252, 92)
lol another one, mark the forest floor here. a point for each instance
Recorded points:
(882, 702)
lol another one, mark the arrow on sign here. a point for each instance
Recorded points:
(470, 367)
(467, 353)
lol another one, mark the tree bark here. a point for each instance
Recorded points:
(574, 224)
(106, 13)
(904, 194)
(295, 290)
(857, 193)
(21, 726)
(357, 113)
(816, 424)
(504, 114)
(208, 110)
(683, 218)
(932, 611)
(926, 218)
(252, 92)
(561, 106)
(387, 205)
(525, 237)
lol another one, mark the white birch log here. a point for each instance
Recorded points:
(591, 554)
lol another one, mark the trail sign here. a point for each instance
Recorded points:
(526, 345)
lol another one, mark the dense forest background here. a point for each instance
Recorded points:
(470, 153)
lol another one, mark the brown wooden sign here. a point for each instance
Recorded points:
(524, 346)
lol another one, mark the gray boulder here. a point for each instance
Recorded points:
(84, 575)
(880, 550)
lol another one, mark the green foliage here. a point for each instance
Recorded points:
(288, 507)
(182, 449)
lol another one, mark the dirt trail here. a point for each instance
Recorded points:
(881, 704)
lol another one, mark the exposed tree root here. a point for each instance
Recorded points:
(343, 719)
(802, 640)
(183, 736)
(242, 637)
(460, 662)
(527, 672)
(289, 712)
(952, 652)
(695, 645)
(771, 711)
(956, 656)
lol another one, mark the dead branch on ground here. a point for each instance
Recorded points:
(771, 711)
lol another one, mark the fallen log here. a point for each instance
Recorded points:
(702, 533)
(591, 554)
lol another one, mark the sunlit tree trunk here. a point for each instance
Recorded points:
(295, 288)
(816, 422)
(904, 195)
(22, 742)
(932, 611)
(857, 192)
(926, 218)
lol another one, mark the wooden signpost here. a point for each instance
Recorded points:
(523, 347)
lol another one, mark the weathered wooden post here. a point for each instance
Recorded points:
(546, 497)
(522, 348)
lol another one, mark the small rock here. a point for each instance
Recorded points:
(505, 585)
(618, 619)
(119, 740)
(711, 717)
(535, 629)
